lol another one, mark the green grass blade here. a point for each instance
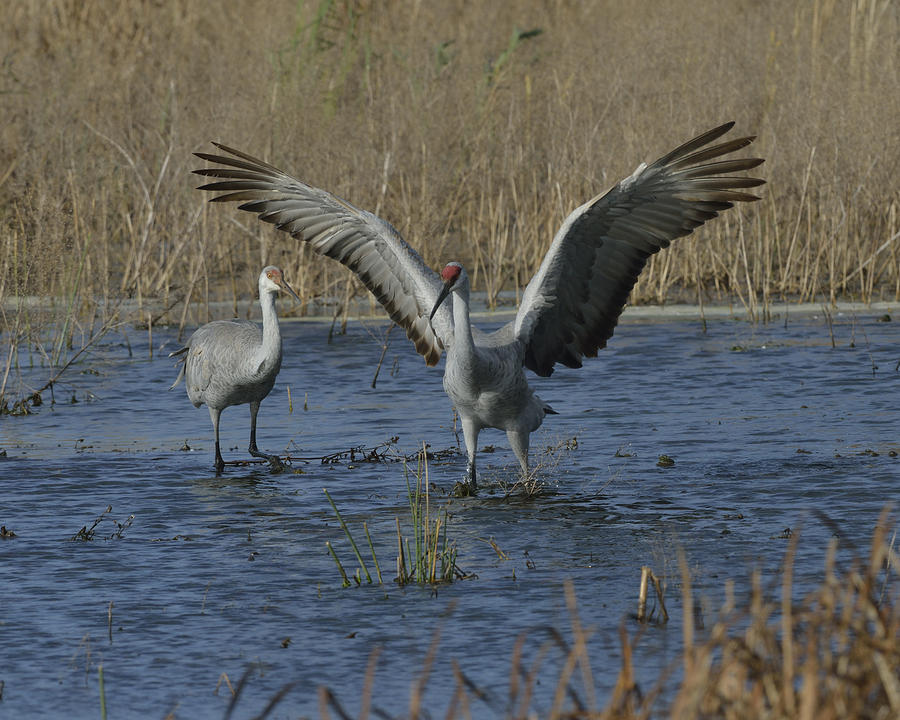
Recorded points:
(362, 563)
(102, 692)
(346, 580)
(372, 549)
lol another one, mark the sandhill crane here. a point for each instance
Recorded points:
(568, 310)
(231, 362)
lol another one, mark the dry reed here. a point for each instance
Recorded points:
(473, 128)
(832, 654)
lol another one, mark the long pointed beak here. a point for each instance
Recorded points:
(287, 288)
(445, 291)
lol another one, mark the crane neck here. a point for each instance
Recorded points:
(462, 325)
(271, 345)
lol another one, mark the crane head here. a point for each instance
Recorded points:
(272, 280)
(454, 276)
(451, 273)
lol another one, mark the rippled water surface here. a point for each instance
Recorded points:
(767, 424)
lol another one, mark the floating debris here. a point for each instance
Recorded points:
(87, 533)
(385, 452)
(665, 461)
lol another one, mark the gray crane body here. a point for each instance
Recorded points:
(232, 362)
(484, 378)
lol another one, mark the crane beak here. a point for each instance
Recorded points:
(445, 291)
(287, 288)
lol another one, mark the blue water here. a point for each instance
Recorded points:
(768, 425)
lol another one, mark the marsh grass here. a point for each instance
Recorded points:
(102, 691)
(832, 653)
(426, 557)
(28, 396)
(473, 129)
(236, 692)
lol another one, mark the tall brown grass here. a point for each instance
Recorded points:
(833, 653)
(460, 123)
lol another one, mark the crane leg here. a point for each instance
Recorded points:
(214, 415)
(518, 441)
(274, 460)
(470, 434)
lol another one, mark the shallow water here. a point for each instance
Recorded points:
(767, 425)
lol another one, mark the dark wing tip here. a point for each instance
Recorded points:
(245, 156)
(230, 150)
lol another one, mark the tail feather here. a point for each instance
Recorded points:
(181, 362)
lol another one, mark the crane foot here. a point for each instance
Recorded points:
(273, 460)
(463, 489)
(467, 487)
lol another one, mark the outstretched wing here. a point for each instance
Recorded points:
(368, 245)
(571, 306)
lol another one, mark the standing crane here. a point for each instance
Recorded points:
(568, 310)
(231, 362)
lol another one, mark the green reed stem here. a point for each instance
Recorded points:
(402, 572)
(362, 563)
(102, 693)
(346, 580)
(374, 556)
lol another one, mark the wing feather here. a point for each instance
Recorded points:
(572, 305)
(369, 246)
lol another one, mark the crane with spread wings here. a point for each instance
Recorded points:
(568, 311)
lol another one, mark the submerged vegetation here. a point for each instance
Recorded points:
(474, 130)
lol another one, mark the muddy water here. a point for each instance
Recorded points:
(766, 424)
